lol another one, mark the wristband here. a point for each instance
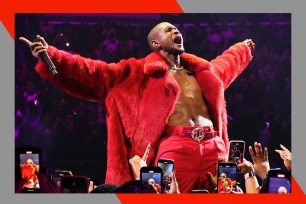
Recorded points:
(248, 175)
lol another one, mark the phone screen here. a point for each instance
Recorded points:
(227, 174)
(278, 182)
(236, 151)
(279, 185)
(29, 166)
(167, 166)
(152, 176)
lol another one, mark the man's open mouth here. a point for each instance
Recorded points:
(178, 40)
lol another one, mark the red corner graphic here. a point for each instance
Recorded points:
(297, 196)
(9, 8)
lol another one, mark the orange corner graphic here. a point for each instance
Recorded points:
(9, 8)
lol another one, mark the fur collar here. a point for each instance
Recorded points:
(155, 62)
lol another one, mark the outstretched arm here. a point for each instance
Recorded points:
(82, 77)
(233, 61)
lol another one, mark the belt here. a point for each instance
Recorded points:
(197, 133)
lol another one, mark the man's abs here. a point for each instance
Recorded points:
(190, 109)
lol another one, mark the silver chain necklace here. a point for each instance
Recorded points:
(176, 68)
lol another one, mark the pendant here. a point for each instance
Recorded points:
(189, 72)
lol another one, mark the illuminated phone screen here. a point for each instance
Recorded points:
(227, 174)
(29, 166)
(153, 178)
(167, 168)
(279, 185)
(236, 152)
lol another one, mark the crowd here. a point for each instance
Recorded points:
(259, 168)
(69, 129)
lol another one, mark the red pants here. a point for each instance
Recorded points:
(192, 159)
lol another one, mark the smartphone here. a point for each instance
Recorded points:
(55, 175)
(74, 184)
(236, 151)
(153, 176)
(167, 166)
(227, 177)
(278, 182)
(28, 163)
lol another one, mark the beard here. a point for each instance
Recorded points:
(176, 51)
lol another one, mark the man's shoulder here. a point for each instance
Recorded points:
(192, 57)
(132, 60)
(194, 61)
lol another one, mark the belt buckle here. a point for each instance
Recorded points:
(198, 134)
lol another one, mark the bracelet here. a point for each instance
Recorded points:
(248, 175)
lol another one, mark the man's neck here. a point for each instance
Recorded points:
(172, 60)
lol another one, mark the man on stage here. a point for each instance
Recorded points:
(170, 99)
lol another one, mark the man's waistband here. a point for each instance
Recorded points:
(197, 133)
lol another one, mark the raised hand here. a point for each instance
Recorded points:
(174, 188)
(136, 162)
(260, 160)
(286, 155)
(37, 48)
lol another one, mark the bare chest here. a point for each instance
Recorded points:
(190, 88)
(190, 108)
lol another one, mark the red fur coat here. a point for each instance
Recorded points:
(140, 95)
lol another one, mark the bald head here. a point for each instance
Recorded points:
(29, 161)
(166, 37)
(151, 181)
(154, 33)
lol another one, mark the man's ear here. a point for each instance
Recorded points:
(155, 45)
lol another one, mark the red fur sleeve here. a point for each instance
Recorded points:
(232, 62)
(82, 77)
